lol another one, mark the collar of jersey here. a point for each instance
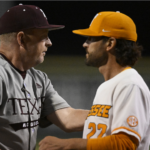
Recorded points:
(22, 73)
(126, 68)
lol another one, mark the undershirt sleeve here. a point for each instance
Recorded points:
(113, 142)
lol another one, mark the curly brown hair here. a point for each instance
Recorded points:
(127, 52)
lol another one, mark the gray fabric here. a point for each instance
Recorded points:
(22, 101)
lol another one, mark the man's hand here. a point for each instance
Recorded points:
(51, 143)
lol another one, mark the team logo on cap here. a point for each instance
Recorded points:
(132, 121)
(43, 13)
(105, 30)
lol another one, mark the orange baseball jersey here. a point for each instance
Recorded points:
(121, 104)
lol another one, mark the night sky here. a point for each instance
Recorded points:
(79, 14)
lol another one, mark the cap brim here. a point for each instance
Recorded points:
(85, 32)
(52, 27)
(56, 27)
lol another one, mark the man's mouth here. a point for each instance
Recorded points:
(44, 52)
(86, 51)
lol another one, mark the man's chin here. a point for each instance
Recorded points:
(91, 65)
(39, 61)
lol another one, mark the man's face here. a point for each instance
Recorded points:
(96, 54)
(36, 42)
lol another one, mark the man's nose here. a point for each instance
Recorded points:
(85, 44)
(48, 42)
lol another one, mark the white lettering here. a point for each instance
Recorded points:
(37, 122)
(31, 124)
(24, 125)
(43, 13)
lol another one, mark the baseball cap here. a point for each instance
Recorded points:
(111, 24)
(23, 17)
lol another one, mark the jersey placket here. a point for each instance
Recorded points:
(27, 95)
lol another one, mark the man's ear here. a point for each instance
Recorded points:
(111, 43)
(20, 38)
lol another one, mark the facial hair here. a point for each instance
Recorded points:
(97, 60)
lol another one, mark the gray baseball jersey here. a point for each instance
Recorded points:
(22, 103)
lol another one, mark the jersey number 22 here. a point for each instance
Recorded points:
(101, 127)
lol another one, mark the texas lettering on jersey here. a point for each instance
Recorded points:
(22, 104)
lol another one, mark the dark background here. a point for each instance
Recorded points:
(79, 14)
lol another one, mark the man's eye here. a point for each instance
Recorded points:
(93, 39)
(44, 38)
(90, 39)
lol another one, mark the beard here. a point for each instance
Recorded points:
(97, 60)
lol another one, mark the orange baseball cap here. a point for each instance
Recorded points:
(111, 24)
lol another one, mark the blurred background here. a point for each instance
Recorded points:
(64, 62)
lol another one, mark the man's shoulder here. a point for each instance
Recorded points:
(123, 78)
(3, 62)
(132, 78)
(37, 73)
(4, 67)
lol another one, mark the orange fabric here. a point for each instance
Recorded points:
(128, 130)
(111, 24)
(127, 68)
(113, 142)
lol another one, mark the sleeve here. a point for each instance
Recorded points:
(112, 142)
(50, 103)
(130, 112)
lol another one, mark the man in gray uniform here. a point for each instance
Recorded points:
(27, 97)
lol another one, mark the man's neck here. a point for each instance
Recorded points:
(14, 60)
(111, 69)
(109, 72)
(22, 73)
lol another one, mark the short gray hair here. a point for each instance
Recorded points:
(8, 37)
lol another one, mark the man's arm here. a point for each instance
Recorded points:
(53, 143)
(120, 141)
(69, 119)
